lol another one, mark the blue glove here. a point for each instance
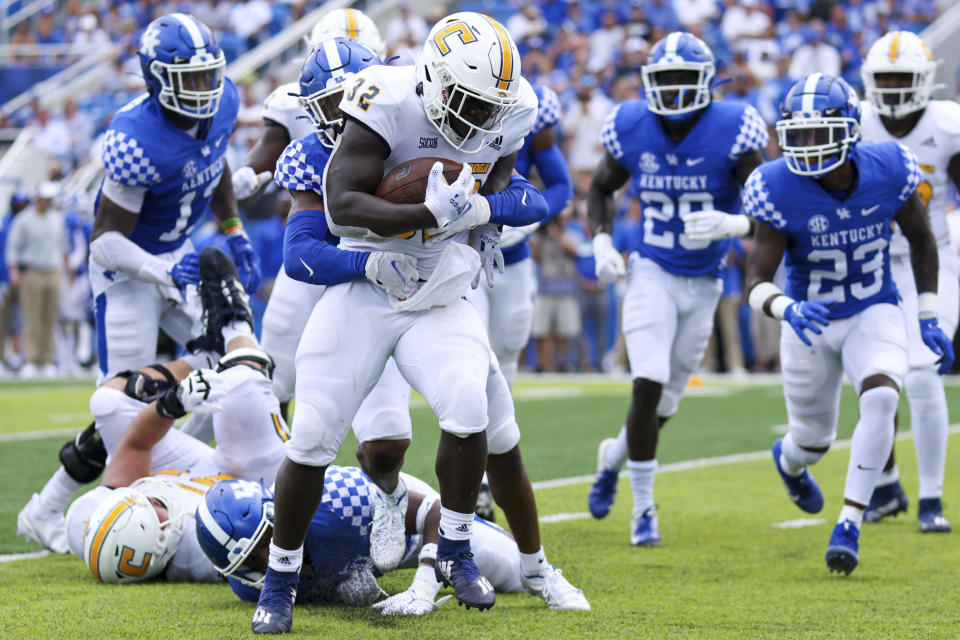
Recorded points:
(187, 271)
(938, 342)
(246, 259)
(803, 314)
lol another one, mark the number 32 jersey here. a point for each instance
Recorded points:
(837, 249)
(672, 179)
(143, 148)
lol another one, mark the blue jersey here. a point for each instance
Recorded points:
(837, 248)
(300, 166)
(672, 179)
(143, 148)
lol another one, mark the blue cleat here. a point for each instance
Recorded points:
(643, 530)
(274, 612)
(604, 489)
(455, 567)
(887, 500)
(842, 552)
(802, 489)
(930, 514)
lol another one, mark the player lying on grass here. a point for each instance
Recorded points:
(234, 524)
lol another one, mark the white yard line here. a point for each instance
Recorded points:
(562, 517)
(799, 523)
(11, 557)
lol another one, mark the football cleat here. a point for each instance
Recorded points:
(388, 540)
(222, 298)
(930, 514)
(643, 529)
(555, 590)
(485, 503)
(274, 612)
(802, 489)
(842, 552)
(887, 500)
(455, 567)
(47, 528)
(604, 489)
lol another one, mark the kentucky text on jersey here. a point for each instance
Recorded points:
(203, 176)
(847, 236)
(676, 183)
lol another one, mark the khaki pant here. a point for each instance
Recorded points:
(727, 322)
(39, 299)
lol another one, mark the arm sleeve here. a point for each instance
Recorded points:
(518, 205)
(124, 195)
(309, 255)
(556, 178)
(116, 252)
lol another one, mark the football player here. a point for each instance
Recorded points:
(687, 156)
(163, 156)
(235, 518)
(898, 74)
(463, 100)
(826, 208)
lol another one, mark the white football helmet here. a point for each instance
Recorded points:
(351, 24)
(125, 540)
(899, 52)
(469, 64)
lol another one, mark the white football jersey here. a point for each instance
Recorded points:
(385, 100)
(284, 109)
(935, 139)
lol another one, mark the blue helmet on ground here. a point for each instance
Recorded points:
(232, 519)
(324, 75)
(183, 65)
(819, 125)
(678, 75)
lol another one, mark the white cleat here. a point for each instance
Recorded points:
(388, 540)
(555, 590)
(47, 528)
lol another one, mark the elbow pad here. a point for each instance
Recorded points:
(518, 205)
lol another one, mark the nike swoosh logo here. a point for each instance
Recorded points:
(523, 200)
(692, 162)
(307, 266)
(863, 468)
(868, 210)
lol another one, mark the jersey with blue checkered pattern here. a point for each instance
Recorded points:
(672, 179)
(300, 166)
(837, 249)
(143, 148)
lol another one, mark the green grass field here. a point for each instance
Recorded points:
(724, 570)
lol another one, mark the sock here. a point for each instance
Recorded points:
(794, 458)
(851, 513)
(285, 560)
(533, 564)
(237, 329)
(871, 442)
(889, 477)
(201, 359)
(59, 490)
(641, 481)
(929, 422)
(616, 454)
(455, 526)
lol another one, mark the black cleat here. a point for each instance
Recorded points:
(222, 298)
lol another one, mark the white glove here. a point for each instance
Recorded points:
(710, 224)
(511, 236)
(476, 214)
(485, 239)
(200, 390)
(395, 273)
(246, 182)
(417, 600)
(609, 262)
(448, 202)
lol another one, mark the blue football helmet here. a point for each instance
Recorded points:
(678, 75)
(819, 126)
(322, 78)
(183, 65)
(232, 519)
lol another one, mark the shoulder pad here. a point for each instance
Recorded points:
(752, 132)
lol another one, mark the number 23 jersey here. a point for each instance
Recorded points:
(837, 249)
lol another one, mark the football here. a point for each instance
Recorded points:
(407, 182)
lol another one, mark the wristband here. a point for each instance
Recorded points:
(428, 551)
(231, 224)
(927, 305)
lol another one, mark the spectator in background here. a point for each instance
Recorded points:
(406, 29)
(816, 54)
(791, 33)
(691, 13)
(527, 23)
(9, 325)
(36, 255)
(637, 24)
(772, 92)
(661, 15)
(594, 296)
(743, 19)
(556, 312)
(80, 129)
(576, 20)
(50, 134)
(605, 43)
(582, 123)
(89, 37)
(249, 20)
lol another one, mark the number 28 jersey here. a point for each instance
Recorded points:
(672, 179)
(837, 249)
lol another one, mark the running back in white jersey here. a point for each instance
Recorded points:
(285, 110)
(385, 100)
(935, 139)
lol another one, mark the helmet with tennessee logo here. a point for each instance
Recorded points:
(125, 540)
(898, 74)
(468, 78)
(352, 24)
